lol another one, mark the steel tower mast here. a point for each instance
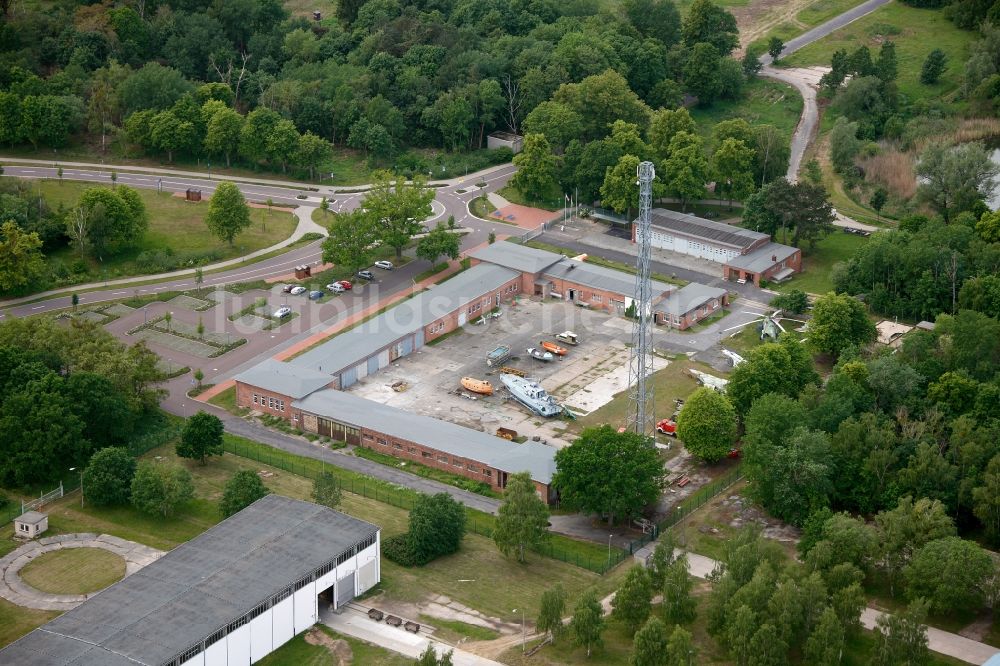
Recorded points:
(640, 416)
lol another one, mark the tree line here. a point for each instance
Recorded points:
(380, 77)
(68, 390)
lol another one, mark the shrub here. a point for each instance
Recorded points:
(399, 549)
(243, 489)
(108, 477)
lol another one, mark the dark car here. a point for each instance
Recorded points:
(366, 275)
(316, 295)
(287, 288)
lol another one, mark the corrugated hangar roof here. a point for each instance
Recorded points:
(165, 608)
(519, 257)
(283, 378)
(533, 457)
(697, 227)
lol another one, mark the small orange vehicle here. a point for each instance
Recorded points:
(553, 347)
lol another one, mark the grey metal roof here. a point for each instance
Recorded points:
(184, 597)
(687, 298)
(519, 257)
(533, 457)
(762, 258)
(601, 277)
(31, 517)
(697, 227)
(364, 340)
(295, 382)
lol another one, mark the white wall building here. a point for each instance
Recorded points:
(228, 597)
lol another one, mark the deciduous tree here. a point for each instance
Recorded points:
(439, 242)
(399, 206)
(901, 638)
(934, 65)
(619, 191)
(587, 622)
(550, 613)
(732, 164)
(350, 240)
(631, 603)
(950, 574)
(437, 525)
(607, 472)
(107, 480)
(825, 646)
(522, 519)
(707, 22)
(228, 212)
(953, 178)
(536, 174)
(242, 489)
(707, 424)
(326, 490)
(839, 321)
(222, 136)
(160, 487)
(201, 437)
(649, 646)
(679, 606)
(680, 648)
(21, 260)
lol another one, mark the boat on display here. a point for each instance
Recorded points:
(477, 385)
(553, 347)
(529, 393)
(539, 354)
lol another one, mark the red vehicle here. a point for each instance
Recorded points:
(733, 453)
(345, 284)
(667, 427)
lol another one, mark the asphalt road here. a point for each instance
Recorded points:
(810, 112)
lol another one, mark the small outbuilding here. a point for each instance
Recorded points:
(890, 333)
(30, 524)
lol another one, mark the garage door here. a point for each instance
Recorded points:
(348, 378)
(345, 589)
(373, 365)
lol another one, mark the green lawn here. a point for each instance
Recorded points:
(481, 208)
(916, 32)
(818, 12)
(454, 631)
(817, 265)
(74, 571)
(16, 621)
(225, 399)
(763, 102)
(669, 383)
(175, 226)
(551, 200)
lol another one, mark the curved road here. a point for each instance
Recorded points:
(810, 112)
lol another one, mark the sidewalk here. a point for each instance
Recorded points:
(305, 225)
(353, 623)
(942, 642)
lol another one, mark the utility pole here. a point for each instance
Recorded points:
(640, 418)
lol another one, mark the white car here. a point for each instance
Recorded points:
(297, 290)
(282, 312)
(336, 287)
(384, 265)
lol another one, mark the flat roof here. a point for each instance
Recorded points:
(153, 615)
(762, 258)
(31, 517)
(687, 298)
(347, 349)
(295, 382)
(533, 457)
(517, 257)
(601, 277)
(698, 227)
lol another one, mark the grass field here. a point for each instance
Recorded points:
(481, 208)
(16, 621)
(763, 102)
(74, 571)
(669, 383)
(816, 277)
(174, 225)
(816, 13)
(916, 32)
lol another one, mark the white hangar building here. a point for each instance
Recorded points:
(228, 597)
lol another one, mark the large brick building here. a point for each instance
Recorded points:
(551, 275)
(744, 255)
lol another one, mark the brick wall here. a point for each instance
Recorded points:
(267, 402)
(472, 310)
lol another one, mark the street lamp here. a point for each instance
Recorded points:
(609, 549)
(523, 635)
(79, 469)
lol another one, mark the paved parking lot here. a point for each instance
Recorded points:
(587, 377)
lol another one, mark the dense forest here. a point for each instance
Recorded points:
(246, 81)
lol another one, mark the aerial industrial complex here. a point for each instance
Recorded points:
(308, 391)
(231, 595)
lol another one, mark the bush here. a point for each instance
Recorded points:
(399, 549)
(243, 489)
(794, 301)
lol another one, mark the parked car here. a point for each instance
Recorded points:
(295, 291)
(345, 284)
(316, 295)
(282, 312)
(288, 288)
(384, 265)
(335, 287)
(366, 275)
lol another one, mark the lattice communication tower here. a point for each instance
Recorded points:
(640, 416)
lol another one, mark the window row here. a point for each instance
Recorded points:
(276, 404)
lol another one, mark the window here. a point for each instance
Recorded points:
(281, 405)
(488, 472)
(472, 468)
(597, 298)
(382, 442)
(302, 583)
(191, 652)
(346, 555)
(258, 611)
(457, 463)
(397, 445)
(216, 637)
(412, 450)
(368, 541)
(233, 626)
(256, 399)
(426, 454)
(443, 459)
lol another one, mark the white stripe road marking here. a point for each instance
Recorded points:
(38, 307)
(117, 293)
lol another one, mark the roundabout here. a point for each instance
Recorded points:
(60, 572)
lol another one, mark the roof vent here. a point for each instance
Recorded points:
(571, 267)
(774, 257)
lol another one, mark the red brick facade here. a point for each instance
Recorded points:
(267, 402)
(473, 309)
(794, 261)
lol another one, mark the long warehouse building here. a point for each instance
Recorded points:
(228, 597)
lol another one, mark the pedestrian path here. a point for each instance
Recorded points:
(942, 642)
